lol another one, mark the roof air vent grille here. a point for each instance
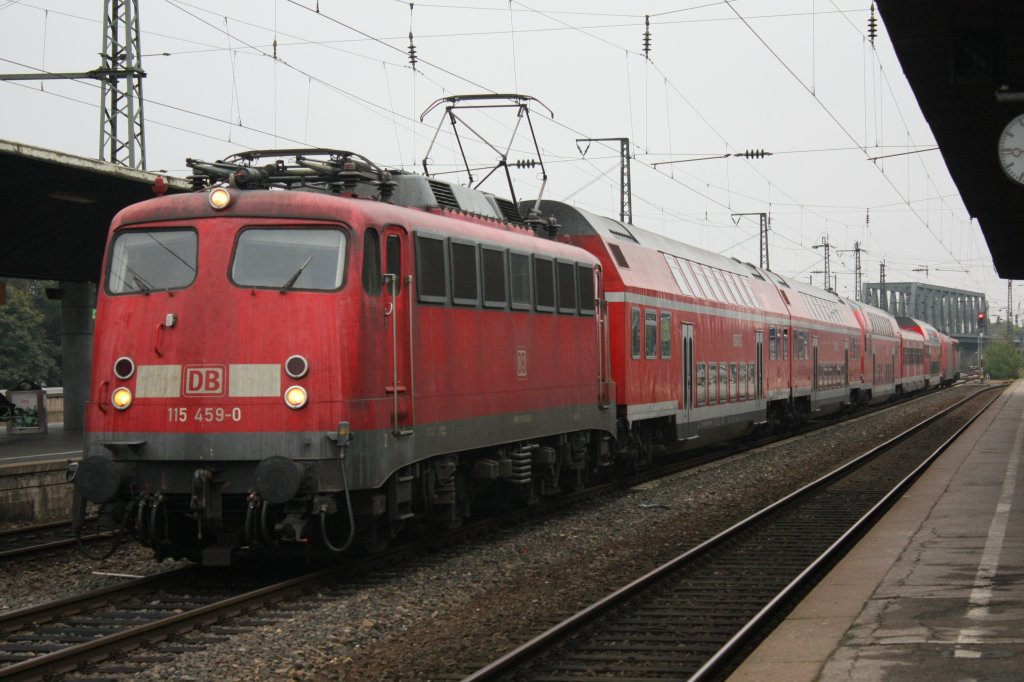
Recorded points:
(444, 195)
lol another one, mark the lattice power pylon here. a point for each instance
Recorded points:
(122, 126)
(122, 131)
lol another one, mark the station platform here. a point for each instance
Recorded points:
(23, 448)
(33, 486)
(935, 591)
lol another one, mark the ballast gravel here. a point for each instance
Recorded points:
(445, 614)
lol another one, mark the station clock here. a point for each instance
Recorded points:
(1011, 149)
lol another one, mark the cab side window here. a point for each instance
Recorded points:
(371, 261)
(393, 254)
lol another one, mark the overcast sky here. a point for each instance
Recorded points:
(799, 79)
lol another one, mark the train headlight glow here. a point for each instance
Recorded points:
(295, 397)
(121, 398)
(220, 198)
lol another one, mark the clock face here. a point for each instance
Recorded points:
(1011, 149)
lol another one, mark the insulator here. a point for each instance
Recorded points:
(872, 26)
(412, 52)
(647, 37)
(525, 163)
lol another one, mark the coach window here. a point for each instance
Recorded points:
(145, 260)
(743, 381)
(431, 261)
(465, 280)
(290, 258)
(772, 350)
(785, 343)
(566, 278)
(585, 282)
(666, 335)
(371, 261)
(495, 277)
(393, 247)
(519, 280)
(723, 382)
(634, 329)
(712, 383)
(698, 289)
(701, 384)
(620, 258)
(650, 333)
(544, 283)
(733, 381)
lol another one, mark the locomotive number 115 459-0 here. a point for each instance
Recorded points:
(204, 414)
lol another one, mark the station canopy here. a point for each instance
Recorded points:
(965, 64)
(57, 210)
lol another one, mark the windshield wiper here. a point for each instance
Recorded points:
(291, 280)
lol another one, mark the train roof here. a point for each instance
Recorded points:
(576, 221)
(927, 330)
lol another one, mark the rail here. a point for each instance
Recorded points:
(715, 658)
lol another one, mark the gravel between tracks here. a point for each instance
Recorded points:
(471, 603)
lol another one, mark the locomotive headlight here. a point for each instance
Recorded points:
(220, 198)
(295, 397)
(121, 398)
(296, 366)
(124, 368)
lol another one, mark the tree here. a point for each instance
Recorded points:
(30, 346)
(1002, 360)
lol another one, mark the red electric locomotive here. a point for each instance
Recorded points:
(296, 365)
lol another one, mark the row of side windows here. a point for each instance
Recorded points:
(704, 281)
(778, 344)
(654, 336)
(725, 382)
(880, 325)
(821, 309)
(465, 273)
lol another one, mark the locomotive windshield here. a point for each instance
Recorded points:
(147, 260)
(280, 258)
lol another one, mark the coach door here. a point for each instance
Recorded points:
(814, 375)
(604, 399)
(846, 363)
(398, 320)
(684, 431)
(759, 359)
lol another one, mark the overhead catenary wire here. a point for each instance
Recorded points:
(405, 122)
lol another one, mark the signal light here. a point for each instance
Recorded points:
(981, 320)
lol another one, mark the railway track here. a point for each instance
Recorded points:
(60, 636)
(43, 538)
(75, 632)
(698, 615)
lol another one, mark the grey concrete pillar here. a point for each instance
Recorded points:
(78, 299)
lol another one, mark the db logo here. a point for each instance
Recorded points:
(204, 380)
(521, 363)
